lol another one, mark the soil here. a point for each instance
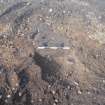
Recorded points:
(33, 76)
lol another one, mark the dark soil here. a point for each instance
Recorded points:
(33, 76)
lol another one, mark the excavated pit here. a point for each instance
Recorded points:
(33, 76)
(47, 79)
(49, 68)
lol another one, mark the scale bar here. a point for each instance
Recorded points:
(54, 48)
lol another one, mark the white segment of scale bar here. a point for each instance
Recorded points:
(54, 48)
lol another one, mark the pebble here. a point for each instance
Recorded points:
(12, 79)
(20, 94)
(6, 101)
(68, 87)
(40, 19)
(0, 96)
(54, 103)
(76, 83)
(13, 89)
(50, 10)
(28, 3)
(28, 20)
(22, 34)
(103, 81)
(32, 101)
(53, 92)
(88, 92)
(64, 11)
(79, 92)
(71, 61)
(17, 84)
(8, 96)
(49, 86)
(40, 100)
(33, 43)
(56, 100)
(99, 17)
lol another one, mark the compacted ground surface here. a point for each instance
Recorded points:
(30, 75)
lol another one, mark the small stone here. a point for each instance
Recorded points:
(32, 101)
(8, 96)
(49, 86)
(54, 103)
(6, 101)
(79, 92)
(12, 79)
(33, 43)
(50, 10)
(40, 19)
(53, 92)
(22, 34)
(28, 3)
(5, 36)
(99, 17)
(13, 89)
(0, 96)
(28, 20)
(17, 84)
(71, 61)
(68, 87)
(64, 11)
(40, 100)
(88, 92)
(56, 100)
(20, 94)
(76, 83)
(103, 81)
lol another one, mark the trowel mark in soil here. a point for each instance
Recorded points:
(14, 8)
